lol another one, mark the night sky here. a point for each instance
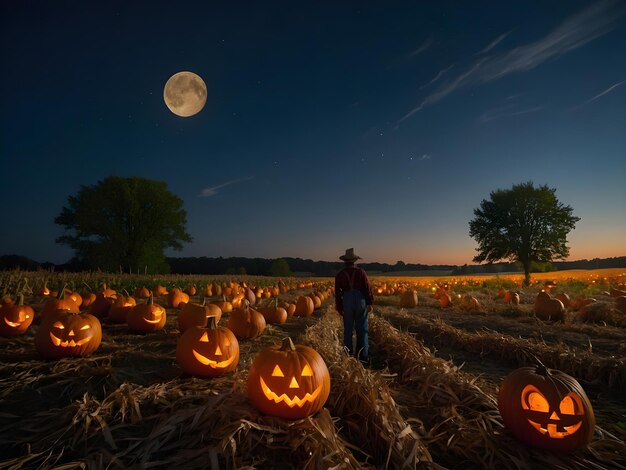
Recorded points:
(328, 125)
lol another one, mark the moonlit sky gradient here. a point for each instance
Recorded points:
(328, 125)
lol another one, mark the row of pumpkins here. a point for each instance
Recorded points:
(542, 407)
(287, 380)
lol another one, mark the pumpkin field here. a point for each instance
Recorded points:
(146, 396)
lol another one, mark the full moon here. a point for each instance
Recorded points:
(185, 94)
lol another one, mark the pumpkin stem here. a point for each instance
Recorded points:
(21, 301)
(211, 322)
(287, 345)
(150, 299)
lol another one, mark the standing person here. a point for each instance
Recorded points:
(353, 301)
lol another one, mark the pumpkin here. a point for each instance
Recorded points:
(88, 299)
(548, 308)
(246, 322)
(224, 305)
(546, 408)
(159, 290)
(120, 308)
(193, 314)
(207, 352)
(191, 290)
(274, 314)
(142, 293)
(101, 306)
(60, 303)
(408, 299)
(64, 334)
(144, 318)
(288, 381)
(15, 319)
(304, 306)
(176, 297)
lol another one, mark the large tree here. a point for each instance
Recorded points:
(124, 222)
(523, 224)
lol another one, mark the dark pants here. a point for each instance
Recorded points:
(355, 316)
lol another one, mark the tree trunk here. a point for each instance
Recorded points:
(526, 273)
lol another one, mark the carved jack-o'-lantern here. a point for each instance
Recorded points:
(207, 352)
(15, 319)
(546, 408)
(144, 318)
(64, 333)
(288, 381)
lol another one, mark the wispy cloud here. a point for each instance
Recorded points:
(437, 77)
(422, 47)
(509, 110)
(576, 31)
(426, 157)
(494, 43)
(213, 190)
(600, 95)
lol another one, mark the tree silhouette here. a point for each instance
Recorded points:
(124, 222)
(523, 224)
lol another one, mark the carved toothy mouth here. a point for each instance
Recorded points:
(552, 429)
(214, 364)
(71, 343)
(291, 402)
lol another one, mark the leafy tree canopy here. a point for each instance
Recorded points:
(524, 224)
(124, 222)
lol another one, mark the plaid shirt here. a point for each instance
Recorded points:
(360, 282)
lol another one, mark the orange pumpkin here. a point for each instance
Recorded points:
(274, 314)
(546, 408)
(207, 352)
(64, 333)
(144, 318)
(142, 293)
(246, 322)
(288, 381)
(548, 308)
(176, 297)
(304, 306)
(15, 319)
(193, 314)
(120, 308)
(60, 303)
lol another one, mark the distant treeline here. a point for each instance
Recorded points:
(307, 267)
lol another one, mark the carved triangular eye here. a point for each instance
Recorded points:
(277, 372)
(59, 325)
(533, 399)
(307, 372)
(85, 327)
(204, 338)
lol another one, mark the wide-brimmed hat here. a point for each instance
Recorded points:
(349, 256)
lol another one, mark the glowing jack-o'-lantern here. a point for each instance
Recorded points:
(15, 319)
(288, 381)
(546, 408)
(144, 318)
(64, 334)
(207, 352)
